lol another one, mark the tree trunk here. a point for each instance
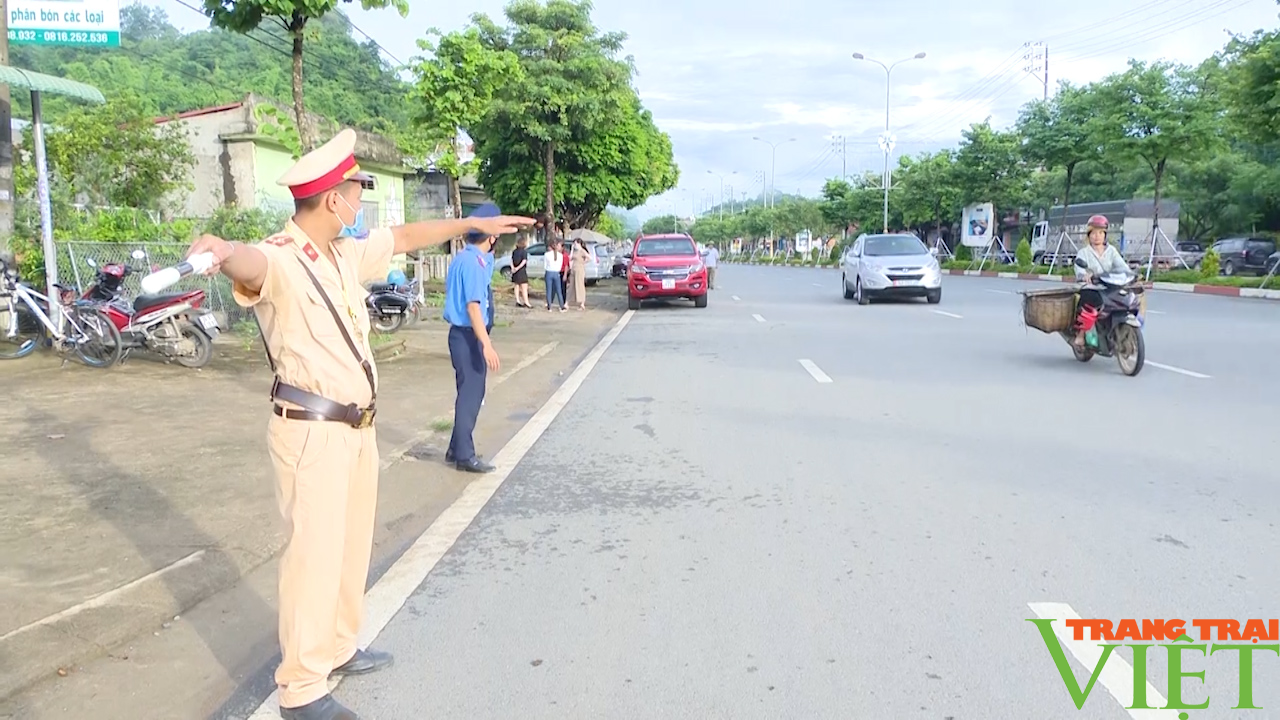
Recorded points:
(1155, 210)
(1066, 202)
(455, 200)
(306, 137)
(549, 167)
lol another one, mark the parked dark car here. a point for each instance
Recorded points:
(1191, 253)
(1244, 254)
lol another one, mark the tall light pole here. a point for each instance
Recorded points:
(773, 164)
(709, 172)
(886, 141)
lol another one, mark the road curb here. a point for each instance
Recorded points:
(1190, 288)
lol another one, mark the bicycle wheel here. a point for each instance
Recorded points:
(26, 331)
(97, 341)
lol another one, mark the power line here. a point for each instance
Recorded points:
(1105, 21)
(1156, 32)
(1122, 31)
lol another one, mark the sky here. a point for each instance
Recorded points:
(718, 73)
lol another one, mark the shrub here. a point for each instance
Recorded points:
(1209, 265)
(964, 253)
(1023, 254)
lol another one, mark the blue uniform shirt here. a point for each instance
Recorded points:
(490, 260)
(466, 282)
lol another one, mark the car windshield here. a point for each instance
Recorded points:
(665, 246)
(894, 245)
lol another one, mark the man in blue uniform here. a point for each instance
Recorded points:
(467, 310)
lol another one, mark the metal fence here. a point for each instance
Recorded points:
(74, 268)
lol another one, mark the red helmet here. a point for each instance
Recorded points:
(1099, 222)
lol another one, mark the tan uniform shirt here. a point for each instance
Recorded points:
(300, 332)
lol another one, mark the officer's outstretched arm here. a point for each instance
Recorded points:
(415, 236)
(245, 265)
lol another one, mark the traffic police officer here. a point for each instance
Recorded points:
(468, 299)
(305, 286)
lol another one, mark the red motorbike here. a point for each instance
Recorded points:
(173, 325)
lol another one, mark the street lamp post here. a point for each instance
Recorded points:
(709, 172)
(886, 142)
(773, 164)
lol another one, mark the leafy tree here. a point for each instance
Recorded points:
(660, 224)
(989, 168)
(572, 87)
(244, 16)
(1250, 83)
(927, 191)
(1157, 112)
(1221, 194)
(455, 87)
(610, 225)
(112, 155)
(1060, 132)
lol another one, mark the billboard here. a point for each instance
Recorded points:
(977, 225)
(64, 22)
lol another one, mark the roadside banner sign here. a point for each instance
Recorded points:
(93, 23)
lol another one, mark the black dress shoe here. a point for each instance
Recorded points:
(326, 708)
(364, 662)
(449, 458)
(474, 465)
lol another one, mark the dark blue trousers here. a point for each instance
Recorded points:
(470, 371)
(555, 290)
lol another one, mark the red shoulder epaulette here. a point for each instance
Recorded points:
(279, 240)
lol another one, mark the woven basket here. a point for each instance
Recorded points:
(1049, 311)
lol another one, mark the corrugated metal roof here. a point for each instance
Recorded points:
(28, 80)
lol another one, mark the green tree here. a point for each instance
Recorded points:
(660, 224)
(112, 155)
(989, 168)
(1061, 132)
(610, 225)
(572, 86)
(1156, 112)
(244, 16)
(454, 89)
(927, 190)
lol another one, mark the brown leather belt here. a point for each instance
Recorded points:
(315, 407)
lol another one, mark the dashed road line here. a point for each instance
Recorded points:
(815, 371)
(999, 292)
(758, 318)
(735, 297)
(1116, 676)
(1180, 371)
(950, 315)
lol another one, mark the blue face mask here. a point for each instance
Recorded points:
(355, 229)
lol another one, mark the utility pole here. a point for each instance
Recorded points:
(6, 140)
(773, 164)
(887, 140)
(839, 145)
(1036, 59)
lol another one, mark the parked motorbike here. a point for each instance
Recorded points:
(1118, 327)
(391, 305)
(173, 325)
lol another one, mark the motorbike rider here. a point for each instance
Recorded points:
(1100, 258)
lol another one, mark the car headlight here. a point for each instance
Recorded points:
(638, 269)
(697, 268)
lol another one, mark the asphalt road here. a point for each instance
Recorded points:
(708, 531)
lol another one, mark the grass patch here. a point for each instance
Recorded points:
(442, 424)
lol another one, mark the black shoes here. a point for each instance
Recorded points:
(449, 459)
(474, 465)
(363, 662)
(326, 708)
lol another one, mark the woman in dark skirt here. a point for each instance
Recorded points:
(520, 272)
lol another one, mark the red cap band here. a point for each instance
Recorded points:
(328, 181)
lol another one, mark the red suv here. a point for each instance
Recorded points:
(666, 266)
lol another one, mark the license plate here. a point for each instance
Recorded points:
(208, 322)
(668, 284)
(392, 311)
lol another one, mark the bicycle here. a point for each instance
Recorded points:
(81, 327)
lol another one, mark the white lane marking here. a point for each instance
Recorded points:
(999, 292)
(1116, 675)
(389, 594)
(950, 315)
(758, 318)
(1156, 312)
(1180, 371)
(397, 454)
(816, 284)
(815, 371)
(735, 297)
(105, 598)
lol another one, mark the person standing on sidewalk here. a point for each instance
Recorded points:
(468, 290)
(304, 287)
(555, 288)
(713, 259)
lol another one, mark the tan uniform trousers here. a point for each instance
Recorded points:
(711, 277)
(327, 487)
